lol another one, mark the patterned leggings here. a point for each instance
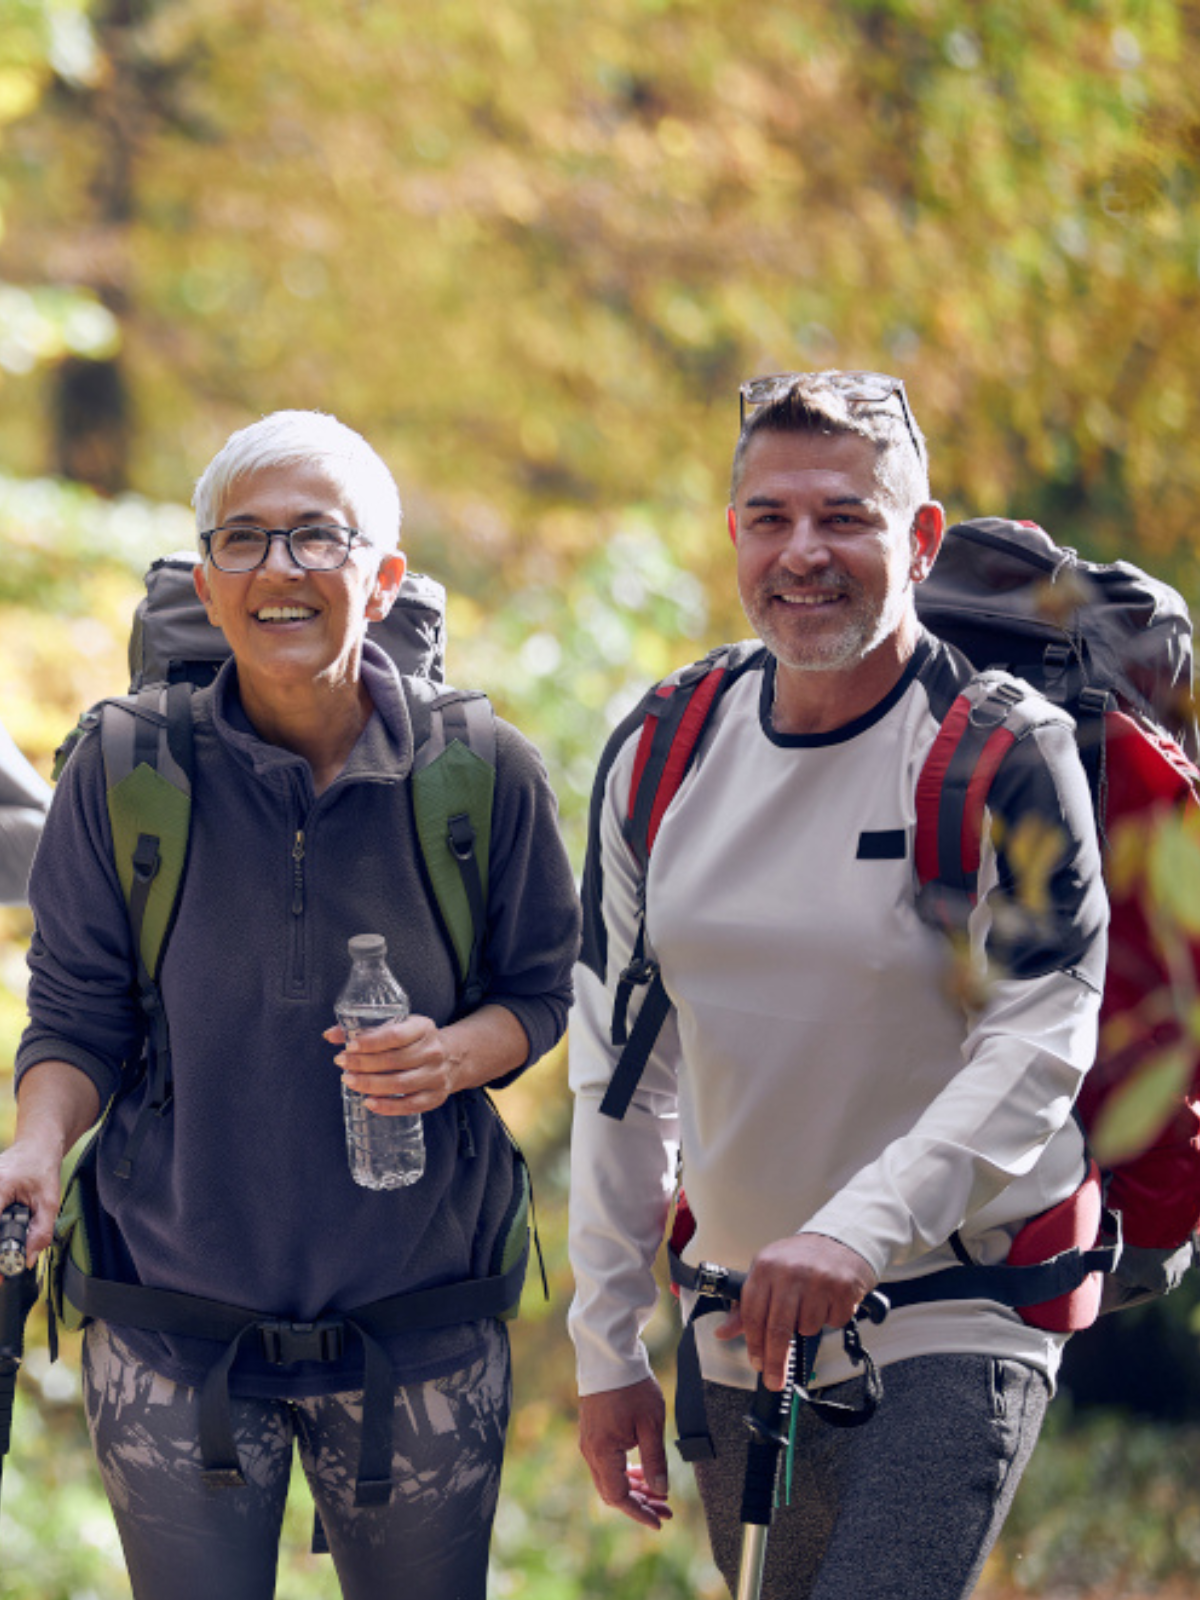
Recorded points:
(184, 1540)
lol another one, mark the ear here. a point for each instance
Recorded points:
(731, 523)
(928, 526)
(204, 590)
(386, 586)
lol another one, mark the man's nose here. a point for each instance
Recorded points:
(806, 546)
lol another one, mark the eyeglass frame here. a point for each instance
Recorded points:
(841, 383)
(206, 539)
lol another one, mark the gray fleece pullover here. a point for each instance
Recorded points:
(242, 1191)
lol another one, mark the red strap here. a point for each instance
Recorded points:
(700, 700)
(684, 743)
(664, 692)
(929, 789)
(994, 751)
(931, 785)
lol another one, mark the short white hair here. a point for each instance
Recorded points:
(306, 438)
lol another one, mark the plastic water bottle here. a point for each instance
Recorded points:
(384, 1152)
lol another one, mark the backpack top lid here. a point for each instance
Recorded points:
(1002, 591)
(172, 640)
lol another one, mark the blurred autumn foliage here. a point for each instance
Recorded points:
(530, 250)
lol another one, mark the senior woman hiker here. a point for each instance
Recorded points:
(237, 1190)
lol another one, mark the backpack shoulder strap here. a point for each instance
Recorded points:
(453, 789)
(675, 715)
(147, 743)
(987, 718)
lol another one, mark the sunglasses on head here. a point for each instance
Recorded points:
(857, 388)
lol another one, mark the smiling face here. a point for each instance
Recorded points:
(288, 627)
(825, 557)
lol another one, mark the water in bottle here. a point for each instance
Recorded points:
(384, 1152)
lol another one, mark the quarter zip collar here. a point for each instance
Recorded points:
(383, 753)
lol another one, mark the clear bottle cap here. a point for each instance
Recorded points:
(367, 944)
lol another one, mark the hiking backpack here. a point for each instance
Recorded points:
(147, 745)
(1113, 647)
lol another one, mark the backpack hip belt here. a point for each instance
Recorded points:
(283, 1343)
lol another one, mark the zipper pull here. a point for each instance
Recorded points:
(298, 873)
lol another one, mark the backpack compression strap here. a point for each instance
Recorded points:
(676, 715)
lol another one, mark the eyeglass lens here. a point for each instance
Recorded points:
(317, 548)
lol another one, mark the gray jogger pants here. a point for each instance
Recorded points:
(907, 1506)
(186, 1540)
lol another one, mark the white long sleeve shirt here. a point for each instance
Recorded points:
(819, 1071)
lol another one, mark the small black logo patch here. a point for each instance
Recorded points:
(888, 844)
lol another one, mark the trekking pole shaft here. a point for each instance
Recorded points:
(754, 1559)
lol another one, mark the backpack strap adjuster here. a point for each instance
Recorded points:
(284, 1343)
(992, 710)
(711, 1279)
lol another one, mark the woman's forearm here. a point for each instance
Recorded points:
(56, 1104)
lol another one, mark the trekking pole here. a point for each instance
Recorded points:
(769, 1421)
(18, 1292)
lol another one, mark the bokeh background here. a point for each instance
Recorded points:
(530, 250)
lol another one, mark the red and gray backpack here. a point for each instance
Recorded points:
(1113, 647)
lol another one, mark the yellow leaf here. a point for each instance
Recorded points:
(1034, 848)
(1134, 1114)
(1173, 861)
(1125, 862)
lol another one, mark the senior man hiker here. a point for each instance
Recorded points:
(845, 1115)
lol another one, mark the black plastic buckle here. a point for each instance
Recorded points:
(286, 1342)
(638, 973)
(711, 1279)
(1096, 701)
(146, 859)
(461, 836)
(223, 1477)
(993, 709)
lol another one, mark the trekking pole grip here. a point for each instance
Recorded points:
(768, 1423)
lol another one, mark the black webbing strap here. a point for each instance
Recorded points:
(693, 1441)
(1018, 1287)
(1091, 710)
(460, 835)
(632, 1061)
(282, 1343)
(146, 861)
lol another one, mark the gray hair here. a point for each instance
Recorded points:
(809, 405)
(306, 438)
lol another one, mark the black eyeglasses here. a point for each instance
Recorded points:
(858, 388)
(315, 546)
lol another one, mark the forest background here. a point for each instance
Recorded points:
(530, 250)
